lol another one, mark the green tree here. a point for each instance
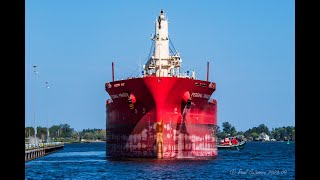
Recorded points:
(226, 127)
(55, 131)
(254, 135)
(42, 132)
(229, 129)
(293, 134)
(283, 133)
(75, 135)
(29, 131)
(262, 129)
(247, 133)
(66, 131)
(103, 133)
(233, 131)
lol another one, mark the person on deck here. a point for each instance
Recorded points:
(234, 141)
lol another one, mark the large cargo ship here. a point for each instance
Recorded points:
(164, 113)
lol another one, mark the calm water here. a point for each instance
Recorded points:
(267, 160)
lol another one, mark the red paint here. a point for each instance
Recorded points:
(132, 132)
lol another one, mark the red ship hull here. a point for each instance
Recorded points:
(161, 117)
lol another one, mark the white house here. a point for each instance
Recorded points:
(264, 137)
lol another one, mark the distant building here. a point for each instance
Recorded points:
(241, 137)
(264, 137)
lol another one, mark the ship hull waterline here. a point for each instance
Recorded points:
(161, 118)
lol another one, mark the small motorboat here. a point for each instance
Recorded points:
(238, 146)
(231, 143)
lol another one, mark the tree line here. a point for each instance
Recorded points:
(65, 133)
(258, 133)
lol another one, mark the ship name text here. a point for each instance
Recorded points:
(118, 84)
(200, 95)
(120, 95)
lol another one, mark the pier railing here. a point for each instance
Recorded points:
(33, 151)
(42, 145)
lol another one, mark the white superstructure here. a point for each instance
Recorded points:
(164, 61)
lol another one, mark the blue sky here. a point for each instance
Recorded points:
(250, 46)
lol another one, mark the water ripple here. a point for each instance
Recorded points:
(258, 160)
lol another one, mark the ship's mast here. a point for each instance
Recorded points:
(162, 63)
(162, 45)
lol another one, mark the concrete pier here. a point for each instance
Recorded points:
(33, 151)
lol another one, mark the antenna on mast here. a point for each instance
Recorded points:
(112, 71)
(208, 71)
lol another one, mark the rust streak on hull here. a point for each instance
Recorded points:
(158, 124)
